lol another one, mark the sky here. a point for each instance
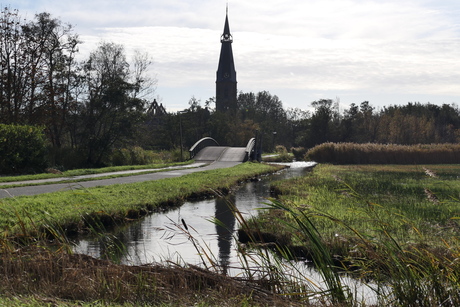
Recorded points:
(387, 52)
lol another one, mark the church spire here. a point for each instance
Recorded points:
(226, 36)
(226, 75)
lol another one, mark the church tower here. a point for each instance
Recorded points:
(226, 75)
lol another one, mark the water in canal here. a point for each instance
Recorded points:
(160, 237)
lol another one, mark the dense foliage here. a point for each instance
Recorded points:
(414, 123)
(88, 106)
(22, 149)
(263, 114)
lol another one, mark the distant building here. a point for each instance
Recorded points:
(153, 134)
(226, 91)
(155, 115)
(156, 109)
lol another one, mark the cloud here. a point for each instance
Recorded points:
(308, 48)
(191, 57)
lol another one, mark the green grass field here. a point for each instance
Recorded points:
(88, 171)
(403, 200)
(35, 273)
(394, 225)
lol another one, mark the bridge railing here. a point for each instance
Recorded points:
(199, 145)
(250, 149)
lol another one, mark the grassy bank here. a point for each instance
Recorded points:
(37, 274)
(74, 211)
(395, 225)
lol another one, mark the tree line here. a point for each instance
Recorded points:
(264, 114)
(413, 123)
(89, 108)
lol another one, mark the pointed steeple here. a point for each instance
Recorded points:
(226, 36)
(226, 75)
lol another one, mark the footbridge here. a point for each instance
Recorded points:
(208, 150)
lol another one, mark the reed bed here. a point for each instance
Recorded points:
(371, 153)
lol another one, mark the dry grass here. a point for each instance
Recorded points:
(60, 275)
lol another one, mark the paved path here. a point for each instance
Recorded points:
(48, 188)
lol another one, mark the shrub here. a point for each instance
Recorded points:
(120, 157)
(299, 153)
(66, 158)
(280, 149)
(282, 155)
(138, 156)
(22, 149)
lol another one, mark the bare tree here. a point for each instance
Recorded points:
(144, 84)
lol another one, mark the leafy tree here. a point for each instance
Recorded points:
(220, 123)
(368, 127)
(111, 112)
(240, 133)
(297, 126)
(267, 112)
(415, 123)
(195, 122)
(350, 123)
(321, 123)
(91, 107)
(22, 148)
(13, 67)
(53, 75)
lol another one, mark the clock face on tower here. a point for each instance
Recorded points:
(226, 75)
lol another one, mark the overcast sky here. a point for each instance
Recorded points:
(387, 52)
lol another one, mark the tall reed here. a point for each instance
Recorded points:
(265, 262)
(371, 153)
(321, 255)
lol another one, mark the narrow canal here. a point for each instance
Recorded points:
(160, 237)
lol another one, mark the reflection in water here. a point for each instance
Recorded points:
(159, 237)
(225, 227)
